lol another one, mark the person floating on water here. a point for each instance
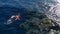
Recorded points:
(17, 17)
(13, 18)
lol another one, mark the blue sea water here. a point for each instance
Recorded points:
(13, 28)
(9, 8)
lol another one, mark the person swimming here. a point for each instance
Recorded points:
(17, 17)
(13, 18)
